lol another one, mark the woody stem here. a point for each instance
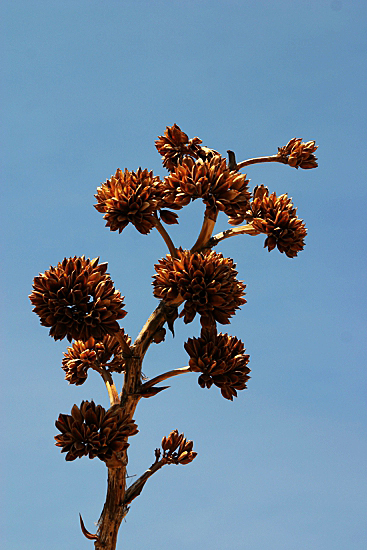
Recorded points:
(165, 376)
(114, 509)
(135, 489)
(258, 160)
(111, 388)
(119, 336)
(108, 380)
(248, 228)
(167, 239)
(206, 230)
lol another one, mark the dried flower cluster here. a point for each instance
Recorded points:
(82, 356)
(277, 218)
(92, 431)
(222, 361)
(175, 145)
(176, 449)
(129, 197)
(77, 300)
(206, 282)
(212, 181)
(298, 154)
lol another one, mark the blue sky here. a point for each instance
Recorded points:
(88, 87)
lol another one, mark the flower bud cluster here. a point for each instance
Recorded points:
(176, 449)
(277, 218)
(299, 154)
(222, 361)
(175, 145)
(77, 299)
(211, 180)
(92, 431)
(129, 197)
(81, 356)
(205, 282)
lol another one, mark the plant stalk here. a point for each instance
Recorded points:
(114, 510)
(258, 160)
(167, 239)
(206, 230)
(165, 376)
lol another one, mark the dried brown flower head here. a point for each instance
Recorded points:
(77, 300)
(129, 197)
(92, 431)
(206, 282)
(176, 450)
(298, 154)
(81, 356)
(175, 145)
(277, 218)
(77, 360)
(212, 181)
(222, 361)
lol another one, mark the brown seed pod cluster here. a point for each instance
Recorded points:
(77, 299)
(81, 356)
(277, 218)
(211, 180)
(205, 282)
(92, 431)
(129, 197)
(298, 154)
(175, 145)
(176, 449)
(222, 361)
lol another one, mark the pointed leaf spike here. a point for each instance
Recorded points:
(86, 533)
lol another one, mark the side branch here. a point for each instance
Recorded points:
(258, 160)
(136, 488)
(206, 230)
(155, 322)
(110, 386)
(167, 239)
(164, 376)
(124, 345)
(248, 229)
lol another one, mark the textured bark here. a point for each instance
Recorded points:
(114, 509)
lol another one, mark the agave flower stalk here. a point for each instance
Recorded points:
(77, 300)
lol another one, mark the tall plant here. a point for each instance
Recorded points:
(77, 300)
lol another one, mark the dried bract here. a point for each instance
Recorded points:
(205, 282)
(168, 217)
(77, 300)
(129, 197)
(211, 180)
(176, 449)
(277, 218)
(222, 361)
(92, 431)
(298, 154)
(175, 145)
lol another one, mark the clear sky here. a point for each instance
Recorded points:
(87, 88)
